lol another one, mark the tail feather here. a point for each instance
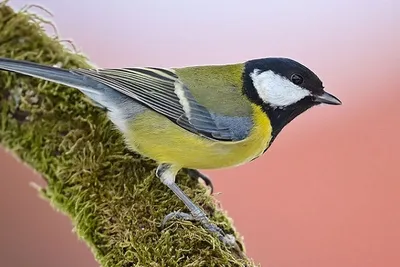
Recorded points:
(86, 85)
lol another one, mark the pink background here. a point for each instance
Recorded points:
(327, 193)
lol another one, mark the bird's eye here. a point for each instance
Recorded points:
(296, 79)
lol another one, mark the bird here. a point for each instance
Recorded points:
(195, 117)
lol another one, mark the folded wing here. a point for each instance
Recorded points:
(162, 91)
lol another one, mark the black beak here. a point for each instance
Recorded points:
(327, 98)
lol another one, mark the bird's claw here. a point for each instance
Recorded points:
(177, 215)
(227, 239)
(195, 174)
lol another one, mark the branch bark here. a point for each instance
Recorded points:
(110, 194)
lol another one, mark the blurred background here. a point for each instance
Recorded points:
(327, 193)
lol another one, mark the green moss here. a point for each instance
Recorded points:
(109, 193)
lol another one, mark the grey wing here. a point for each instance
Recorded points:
(162, 91)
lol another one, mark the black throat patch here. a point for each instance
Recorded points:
(281, 117)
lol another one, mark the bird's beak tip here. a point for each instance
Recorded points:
(327, 98)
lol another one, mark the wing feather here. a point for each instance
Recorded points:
(161, 90)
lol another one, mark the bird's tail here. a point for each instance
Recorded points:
(88, 86)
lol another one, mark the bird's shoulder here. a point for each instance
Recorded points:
(217, 87)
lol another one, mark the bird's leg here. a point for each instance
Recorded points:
(195, 174)
(166, 173)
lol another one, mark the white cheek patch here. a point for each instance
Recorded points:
(277, 90)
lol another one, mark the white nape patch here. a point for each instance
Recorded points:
(277, 90)
(180, 92)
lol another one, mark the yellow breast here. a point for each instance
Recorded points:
(154, 136)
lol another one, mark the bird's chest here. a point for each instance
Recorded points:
(160, 139)
(239, 153)
(257, 141)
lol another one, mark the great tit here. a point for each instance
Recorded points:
(197, 117)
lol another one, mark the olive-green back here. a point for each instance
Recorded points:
(217, 87)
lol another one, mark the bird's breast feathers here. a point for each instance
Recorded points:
(156, 137)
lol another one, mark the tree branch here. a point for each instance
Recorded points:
(109, 193)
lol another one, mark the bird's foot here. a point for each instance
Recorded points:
(195, 174)
(227, 239)
(167, 173)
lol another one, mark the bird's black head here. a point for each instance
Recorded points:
(284, 88)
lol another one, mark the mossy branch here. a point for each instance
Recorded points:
(110, 194)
